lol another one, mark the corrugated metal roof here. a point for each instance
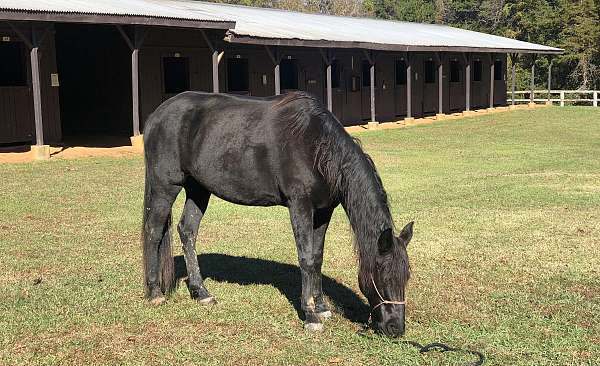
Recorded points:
(285, 25)
(173, 9)
(273, 26)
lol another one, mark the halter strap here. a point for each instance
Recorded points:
(383, 301)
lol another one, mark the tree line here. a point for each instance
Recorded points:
(573, 25)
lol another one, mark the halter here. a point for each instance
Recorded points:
(383, 301)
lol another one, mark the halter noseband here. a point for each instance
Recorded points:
(383, 301)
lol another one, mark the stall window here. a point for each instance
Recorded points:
(366, 74)
(477, 69)
(237, 75)
(12, 68)
(498, 70)
(429, 72)
(176, 74)
(289, 74)
(454, 72)
(400, 72)
(335, 74)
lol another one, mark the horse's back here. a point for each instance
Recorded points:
(239, 148)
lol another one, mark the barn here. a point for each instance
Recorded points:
(76, 68)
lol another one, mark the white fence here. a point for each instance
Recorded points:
(560, 97)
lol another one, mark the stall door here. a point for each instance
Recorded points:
(430, 87)
(400, 87)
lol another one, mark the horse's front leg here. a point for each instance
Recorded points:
(301, 215)
(321, 220)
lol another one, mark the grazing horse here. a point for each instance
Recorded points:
(284, 150)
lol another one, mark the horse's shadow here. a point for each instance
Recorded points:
(285, 277)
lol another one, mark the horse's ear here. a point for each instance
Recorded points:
(386, 241)
(406, 233)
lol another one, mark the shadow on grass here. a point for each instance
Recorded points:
(285, 277)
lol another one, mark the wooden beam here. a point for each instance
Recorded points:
(467, 63)
(37, 95)
(215, 71)
(440, 60)
(372, 79)
(276, 59)
(113, 19)
(532, 81)
(514, 58)
(135, 91)
(408, 86)
(207, 40)
(550, 77)
(492, 79)
(125, 37)
(329, 91)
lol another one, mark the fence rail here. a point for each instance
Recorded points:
(560, 97)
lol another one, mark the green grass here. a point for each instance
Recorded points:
(505, 257)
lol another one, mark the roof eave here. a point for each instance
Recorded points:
(233, 38)
(15, 15)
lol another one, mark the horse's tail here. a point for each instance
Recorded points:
(166, 262)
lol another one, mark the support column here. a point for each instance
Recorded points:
(273, 55)
(372, 79)
(409, 116)
(467, 59)
(440, 60)
(215, 71)
(326, 55)
(135, 74)
(492, 81)
(532, 96)
(513, 65)
(277, 80)
(548, 101)
(329, 92)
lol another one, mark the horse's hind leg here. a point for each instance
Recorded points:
(195, 206)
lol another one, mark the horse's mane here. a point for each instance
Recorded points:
(349, 171)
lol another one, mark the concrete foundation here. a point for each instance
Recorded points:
(373, 125)
(137, 142)
(440, 116)
(40, 152)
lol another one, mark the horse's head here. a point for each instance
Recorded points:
(384, 285)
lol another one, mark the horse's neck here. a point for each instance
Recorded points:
(365, 202)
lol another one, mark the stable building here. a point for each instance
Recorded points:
(72, 68)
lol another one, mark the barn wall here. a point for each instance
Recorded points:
(16, 102)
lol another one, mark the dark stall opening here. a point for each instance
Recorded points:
(94, 65)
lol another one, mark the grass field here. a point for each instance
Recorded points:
(505, 257)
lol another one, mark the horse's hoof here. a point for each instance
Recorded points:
(313, 327)
(158, 301)
(324, 314)
(210, 300)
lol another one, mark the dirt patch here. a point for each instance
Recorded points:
(59, 152)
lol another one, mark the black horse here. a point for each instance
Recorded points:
(285, 150)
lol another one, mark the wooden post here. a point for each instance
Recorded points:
(372, 79)
(215, 71)
(440, 85)
(135, 73)
(492, 80)
(276, 61)
(548, 101)
(329, 92)
(562, 98)
(326, 55)
(595, 103)
(408, 87)
(37, 95)
(277, 80)
(467, 60)
(513, 77)
(531, 102)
